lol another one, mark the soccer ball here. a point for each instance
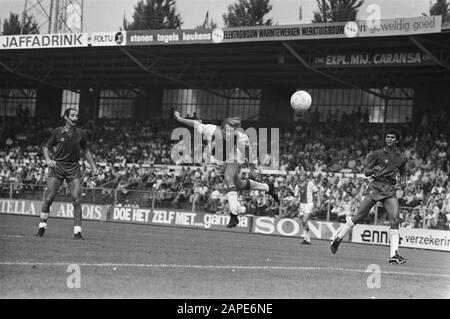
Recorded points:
(301, 101)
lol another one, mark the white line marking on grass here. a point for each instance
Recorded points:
(27, 263)
(14, 236)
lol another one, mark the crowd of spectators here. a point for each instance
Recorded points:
(333, 155)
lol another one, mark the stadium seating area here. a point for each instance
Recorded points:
(332, 154)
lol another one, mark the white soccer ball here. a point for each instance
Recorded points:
(301, 101)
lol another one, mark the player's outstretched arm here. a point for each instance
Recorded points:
(50, 162)
(189, 122)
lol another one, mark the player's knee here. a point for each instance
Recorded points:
(76, 200)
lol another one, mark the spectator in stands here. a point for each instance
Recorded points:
(442, 222)
(148, 142)
(431, 218)
(417, 218)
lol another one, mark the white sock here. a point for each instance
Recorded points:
(345, 229)
(306, 235)
(42, 225)
(258, 186)
(395, 238)
(76, 229)
(233, 202)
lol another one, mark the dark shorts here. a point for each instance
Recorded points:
(66, 170)
(380, 190)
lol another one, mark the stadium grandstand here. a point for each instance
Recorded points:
(127, 84)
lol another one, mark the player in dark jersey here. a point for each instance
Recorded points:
(67, 142)
(383, 166)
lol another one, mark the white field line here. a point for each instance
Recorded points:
(218, 267)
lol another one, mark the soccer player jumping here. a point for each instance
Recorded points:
(67, 142)
(383, 165)
(229, 167)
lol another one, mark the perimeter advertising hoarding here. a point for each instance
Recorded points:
(42, 41)
(409, 237)
(292, 227)
(331, 30)
(58, 209)
(178, 218)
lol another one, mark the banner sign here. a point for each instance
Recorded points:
(179, 218)
(57, 209)
(152, 37)
(230, 35)
(400, 26)
(331, 30)
(292, 227)
(374, 59)
(42, 41)
(288, 32)
(107, 38)
(409, 237)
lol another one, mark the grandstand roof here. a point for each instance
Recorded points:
(255, 64)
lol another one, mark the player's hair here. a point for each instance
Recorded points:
(393, 131)
(234, 122)
(67, 111)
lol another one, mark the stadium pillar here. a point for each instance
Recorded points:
(150, 105)
(89, 104)
(48, 102)
(275, 105)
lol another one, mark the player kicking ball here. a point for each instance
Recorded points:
(229, 168)
(383, 165)
(67, 142)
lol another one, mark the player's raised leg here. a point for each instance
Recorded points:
(53, 184)
(249, 184)
(230, 171)
(364, 209)
(392, 208)
(75, 192)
